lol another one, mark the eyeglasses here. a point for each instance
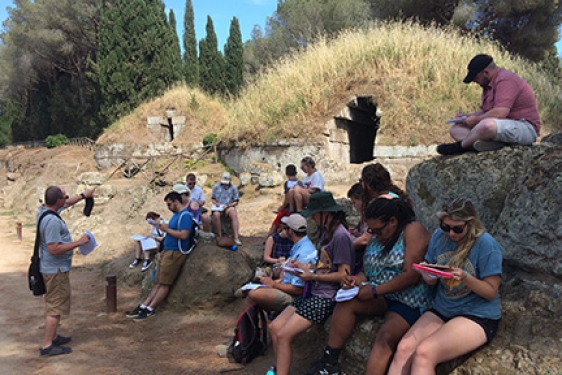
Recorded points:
(377, 231)
(458, 229)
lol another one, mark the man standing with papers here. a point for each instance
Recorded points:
(280, 293)
(55, 252)
(177, 240)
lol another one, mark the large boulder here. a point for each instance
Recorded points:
(516, 193)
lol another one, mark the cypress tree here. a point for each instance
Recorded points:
(175, 57)
(190, 63)
(234, 58)
(135, 59)
(211, 63)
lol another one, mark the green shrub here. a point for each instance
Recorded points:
(209, 139)
(56, 140)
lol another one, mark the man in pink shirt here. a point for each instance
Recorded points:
(508, 113)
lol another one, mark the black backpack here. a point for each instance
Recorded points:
(250, 336)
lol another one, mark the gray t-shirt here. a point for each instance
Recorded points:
(53, 230)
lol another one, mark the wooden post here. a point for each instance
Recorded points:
(18, 230)
(111, 293)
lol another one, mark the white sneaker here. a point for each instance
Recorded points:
(488, 145)
(237, 242)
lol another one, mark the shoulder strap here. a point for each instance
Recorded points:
(189, 236)
(36, 247)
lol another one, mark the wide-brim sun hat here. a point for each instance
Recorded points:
(322, 201)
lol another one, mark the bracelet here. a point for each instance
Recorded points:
(466, 276)
(83, 195)
(374, 290)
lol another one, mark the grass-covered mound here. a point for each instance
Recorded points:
(415, 72)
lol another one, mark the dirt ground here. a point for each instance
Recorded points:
(169, 343)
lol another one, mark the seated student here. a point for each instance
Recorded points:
(388, 286)
(377, 182)
(281, 293)
(225, 198)
(277, 247)
(284, 209)
(198, 196)
(466, 311)
(313, 182)
(335, 261)
(145, 248)
(192, 206)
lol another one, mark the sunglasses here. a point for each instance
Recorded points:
(456, 229)
(377, 231)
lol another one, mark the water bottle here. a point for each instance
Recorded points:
(233, 248)
(271, 371)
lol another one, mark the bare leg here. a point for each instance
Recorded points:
(485, 130)
(235, 225)
(386, 341)
(160, 293)
(206, 222)
(343, 319)
(217, 223)
(290, 199)
(283, 333)
(138, 250)
(424, 327)
(51, 324)
(457, 337)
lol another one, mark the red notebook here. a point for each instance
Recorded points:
(434, 271)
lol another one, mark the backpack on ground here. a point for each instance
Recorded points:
(250, 336)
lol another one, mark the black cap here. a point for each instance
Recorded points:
(476, 65)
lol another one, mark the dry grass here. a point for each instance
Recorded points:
(414, 72)
(203, 114)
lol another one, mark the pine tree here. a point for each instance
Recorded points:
(211, 63)
(190, 63)
(175, 50)
(234, 58)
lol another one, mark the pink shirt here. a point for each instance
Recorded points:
(508, 90)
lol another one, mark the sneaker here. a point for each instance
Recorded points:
(488, 145)
(237, 242)
(61, 340)
(144, 314)
(135, 263)
(146, 265)
(454, 148)
(135, 312)
(325, 368)
(54, 350)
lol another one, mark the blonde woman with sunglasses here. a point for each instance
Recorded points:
(466, 310)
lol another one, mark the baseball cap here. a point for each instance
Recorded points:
(181, 189)
(476, 65)
(225, 179)
(296, 222)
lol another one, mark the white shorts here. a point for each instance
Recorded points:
(519, 132)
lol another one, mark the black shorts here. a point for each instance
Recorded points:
(315, 309)
(490, 326)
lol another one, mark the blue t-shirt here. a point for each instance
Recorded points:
(306, 253)
(180, 221)
(53, 230)
(453, 297)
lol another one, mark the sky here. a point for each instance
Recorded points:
(248, 12)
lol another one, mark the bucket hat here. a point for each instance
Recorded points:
(322, 201)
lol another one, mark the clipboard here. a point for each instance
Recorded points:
(433, 271)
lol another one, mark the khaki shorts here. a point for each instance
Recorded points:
(282, 300)
(170, 263)
(57, 298)
(520, 132)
